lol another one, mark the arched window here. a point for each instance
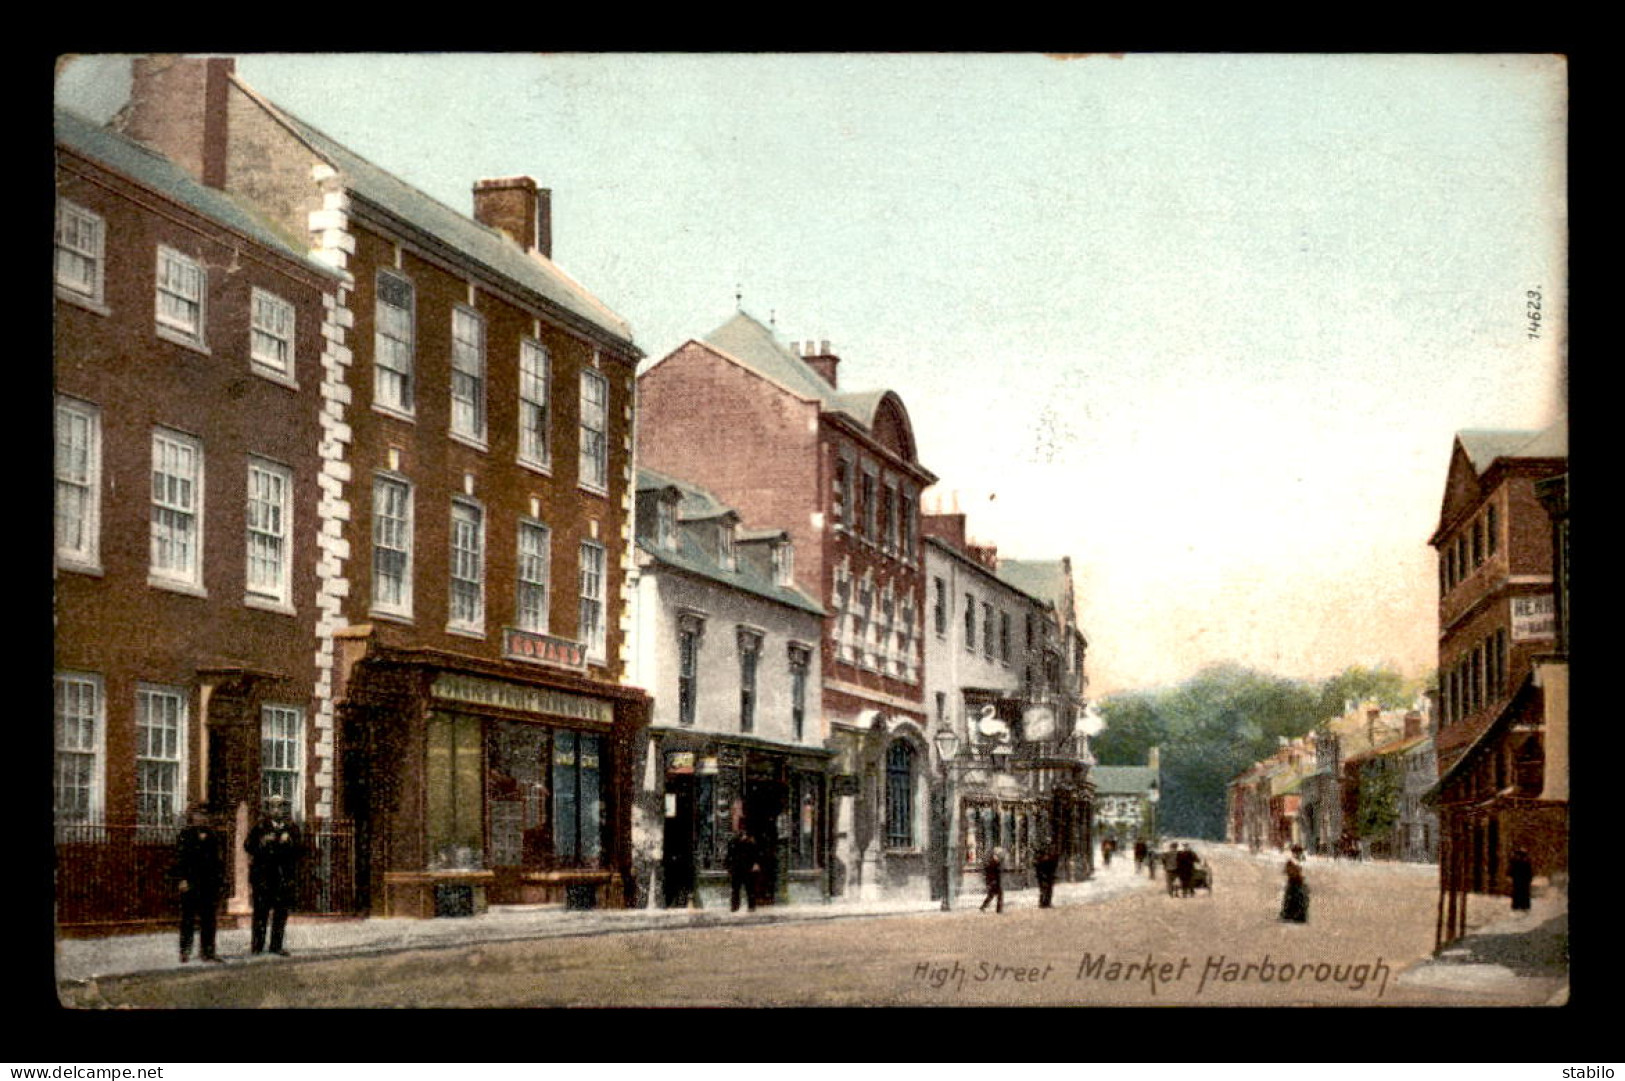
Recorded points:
(900, 796)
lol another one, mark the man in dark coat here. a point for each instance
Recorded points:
(1185, 865)
(1522, 872)
(273, 848)
(200, 871)
(993, 875)
(1139, 854)
(742, 869)
(1044, 867)
(1170, 868)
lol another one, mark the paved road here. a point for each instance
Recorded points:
(1119, 940)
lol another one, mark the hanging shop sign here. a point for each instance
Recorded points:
(1038, 722)
(521, 645)
(680, 762)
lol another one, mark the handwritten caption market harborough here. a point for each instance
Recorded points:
(1158, 974)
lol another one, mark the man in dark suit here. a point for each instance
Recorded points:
(1170, 868)
(200, 871)
(742, 869)
(273, 848)
(1044, 867)
(1185, 864)
(993, 875)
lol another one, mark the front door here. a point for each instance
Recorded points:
(677, 848)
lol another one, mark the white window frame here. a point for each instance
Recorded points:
(169, 510)
(468, 374)
(268, 535)
(169, 756)
(381, 483)
(726, 558)
(535, 404)
(594, 433)
(94, 747)
(90, 251)
(533, 577)
(277, 777)
(466, 541)
(171, 325)
(273, 323)
(666, 523)
(78, 483)
(784, 563)
(399, 344)
(749, 643)
(592, 613)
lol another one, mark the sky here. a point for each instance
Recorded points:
(1205, 323)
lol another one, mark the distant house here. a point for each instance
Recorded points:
(1126, 799)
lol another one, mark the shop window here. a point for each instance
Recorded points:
(455, 776)
(519, 799)
(806, 820)
(577, 798)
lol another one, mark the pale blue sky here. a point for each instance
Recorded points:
(1205, 323)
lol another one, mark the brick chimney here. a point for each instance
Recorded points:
(821, 360)
(515, 205)
(178, 107)
(945, 527)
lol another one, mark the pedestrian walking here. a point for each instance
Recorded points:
(1044, 867)
(1107, 847)
(1170, 868)
(1139, 854)
(742, 870)
(1522, 872)
(273, 848)
(200, 870)
(1295, 902)
(1185, 865)
(993, 875)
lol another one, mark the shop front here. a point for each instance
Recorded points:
(714, 788)
(473, 785)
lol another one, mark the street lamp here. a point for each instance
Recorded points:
(1152, 796)
(947, 742)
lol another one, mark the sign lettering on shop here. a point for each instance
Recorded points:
(543, 649)
(490, 692)
(1534, 618)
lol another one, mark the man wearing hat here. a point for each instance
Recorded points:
(200, 868)
(273, 852)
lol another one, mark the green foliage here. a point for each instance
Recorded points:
(1379, 802)
(1220, 721)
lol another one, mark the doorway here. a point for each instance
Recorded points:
(677, 846)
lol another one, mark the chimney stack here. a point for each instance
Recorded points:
(516, 206)
(823, 361)
(178, 107)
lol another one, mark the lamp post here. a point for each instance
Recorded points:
(1153, 794)
(947, 742)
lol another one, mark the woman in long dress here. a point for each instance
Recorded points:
(1295, 902)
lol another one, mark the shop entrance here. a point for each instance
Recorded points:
(766, 810)
(677, 845)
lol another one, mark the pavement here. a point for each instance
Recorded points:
(85, 959)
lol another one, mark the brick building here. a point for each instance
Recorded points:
(475, 516)
(1502, 728)
(186, 585)
(768, 429)
(728, 646)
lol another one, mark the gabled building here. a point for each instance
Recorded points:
(1502, 738)
(475, 519)
(186, 580)
(1125, 799)
(769, 430)
(996, 676)
(728, 646)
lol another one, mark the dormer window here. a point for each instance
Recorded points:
(784, 563)
(725, 546)
(666, 523)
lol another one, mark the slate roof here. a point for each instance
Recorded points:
(490, 247)
(1122, 780)
(744, 338)
(691, 557)
(151, 169)
(1041, 578)
(1483, 447)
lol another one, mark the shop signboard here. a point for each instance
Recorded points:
(1534, 618)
